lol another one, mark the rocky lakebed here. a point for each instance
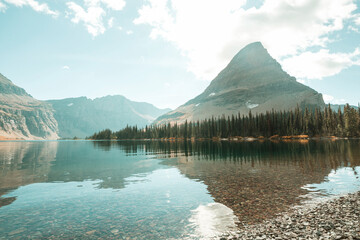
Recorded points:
(336, 218)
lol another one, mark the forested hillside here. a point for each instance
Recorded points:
(271, 124)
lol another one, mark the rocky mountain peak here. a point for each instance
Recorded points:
(251, 67)
(253, 80)
(7, 87)
(251, 54)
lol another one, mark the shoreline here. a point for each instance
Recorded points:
(2, 138)
(232, 139)
(276, 138)
(335, 218)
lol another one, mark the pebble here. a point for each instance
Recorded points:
(17, 231)
(334, 219)
(90, 232)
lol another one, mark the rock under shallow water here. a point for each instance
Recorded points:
(334, 219)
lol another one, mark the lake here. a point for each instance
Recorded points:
(163, 190)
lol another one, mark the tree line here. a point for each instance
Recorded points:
(295, 122)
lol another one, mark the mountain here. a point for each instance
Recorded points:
(335, 107)
(82, 117)
(254, 81)
(22, 116)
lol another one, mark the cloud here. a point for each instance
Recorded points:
(354, 29)
(302, 81)
(327, 98)
(210, 33)
(357, 19)
(330, 99)
(92, 14)
(317, 65)
(2, 7)
(92, 18)
(38, 7)
(66, 67)
(116, 5)
(129, 32)
(111, 22)
(338, 101)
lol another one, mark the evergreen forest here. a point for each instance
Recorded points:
(272, 124)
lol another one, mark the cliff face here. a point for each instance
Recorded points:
(254, 81)
(22, 116)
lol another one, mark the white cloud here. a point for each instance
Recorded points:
(357, 19)
(38, 7)
(316, 65)
(120, 28)
(92, 14)
(302, 81)
(111, 22)
(116, 5)
(327, 98)
(129, 32)
(92, 18)
(2, 7)
(354, 29)
(210, 33)
(66, 67)
(330, 99)
(338, 101)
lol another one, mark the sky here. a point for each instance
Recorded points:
(166, 52)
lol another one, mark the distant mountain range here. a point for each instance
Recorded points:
(82, 117)
(254, 81)
(23, 117)
(335, 107)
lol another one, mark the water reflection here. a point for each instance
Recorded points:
(259, 180)
(309, 155)
(23, 163)
(78, 161)
(338, 182)
(81, 191)
(160, 190)
(212, 220)
(157, 208)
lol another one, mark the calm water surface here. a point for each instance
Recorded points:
(163, 190)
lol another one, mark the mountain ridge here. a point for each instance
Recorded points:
(24, 117)
(8, 87)
(82, 116)
(252, 80)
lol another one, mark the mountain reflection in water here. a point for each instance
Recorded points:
(256, 180)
